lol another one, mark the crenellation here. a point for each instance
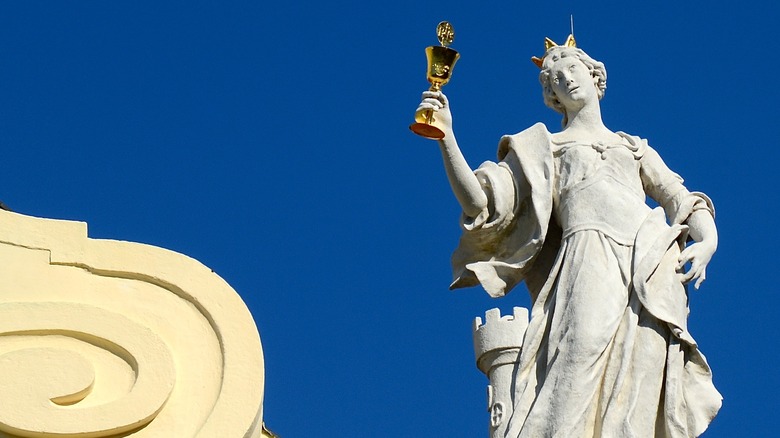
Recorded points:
(497, 345)
(499, 332)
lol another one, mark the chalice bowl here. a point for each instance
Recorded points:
(441, 61)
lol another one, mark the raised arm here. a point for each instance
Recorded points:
(464, 183)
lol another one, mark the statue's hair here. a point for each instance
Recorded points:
(596, 68)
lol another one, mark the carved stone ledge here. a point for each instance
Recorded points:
(102, 338)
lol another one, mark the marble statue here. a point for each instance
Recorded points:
(606, 352)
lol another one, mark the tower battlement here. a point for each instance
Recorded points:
(499, 332)
(498, 342)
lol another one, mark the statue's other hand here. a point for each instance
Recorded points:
(699, 255)
(437, 102)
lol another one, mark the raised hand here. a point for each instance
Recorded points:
(437, 102)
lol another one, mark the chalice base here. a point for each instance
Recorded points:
(427, 131)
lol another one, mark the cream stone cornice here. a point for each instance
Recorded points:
(104, 338)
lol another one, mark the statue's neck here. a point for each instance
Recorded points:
(585, 119)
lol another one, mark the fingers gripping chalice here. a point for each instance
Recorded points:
(441, 61)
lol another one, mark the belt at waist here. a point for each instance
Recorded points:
(603, 205)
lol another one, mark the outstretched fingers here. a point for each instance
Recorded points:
(698, 268)
(693, 273)
(701, 278)
(685, 256)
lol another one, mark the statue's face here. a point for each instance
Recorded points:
(572, 83)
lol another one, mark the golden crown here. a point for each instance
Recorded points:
(548, 43)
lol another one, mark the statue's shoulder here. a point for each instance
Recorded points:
(637, 144)
(536, 137)
(631, 137)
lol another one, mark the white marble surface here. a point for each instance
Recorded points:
(607, 351)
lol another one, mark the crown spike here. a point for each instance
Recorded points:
(548, 44)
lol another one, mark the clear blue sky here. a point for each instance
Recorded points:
(269, 140)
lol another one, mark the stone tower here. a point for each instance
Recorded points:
(497, 345)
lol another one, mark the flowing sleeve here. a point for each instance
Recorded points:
(667, 189)
(499, 245)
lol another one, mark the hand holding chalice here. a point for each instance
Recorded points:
(441, 61)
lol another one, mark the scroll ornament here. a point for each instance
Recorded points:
(102, 338)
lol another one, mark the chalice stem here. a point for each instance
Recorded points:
(428, 116)
(429, 113)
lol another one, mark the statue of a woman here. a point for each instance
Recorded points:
(607, 352)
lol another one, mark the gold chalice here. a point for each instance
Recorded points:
(441, 61)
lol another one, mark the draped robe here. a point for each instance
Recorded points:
(607, 352)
